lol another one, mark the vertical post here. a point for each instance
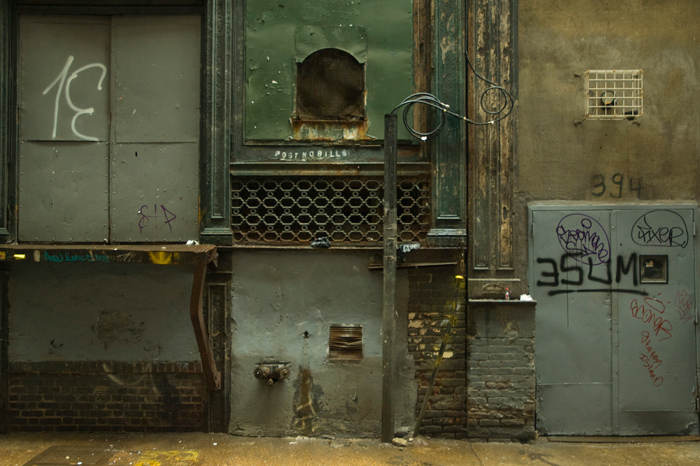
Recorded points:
(389, 310)
(7, 118)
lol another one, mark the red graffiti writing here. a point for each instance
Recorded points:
(684, 305)
(650, 360)
(651, 313)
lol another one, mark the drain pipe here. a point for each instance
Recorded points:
(389, 293)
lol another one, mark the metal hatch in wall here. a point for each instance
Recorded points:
(616, 346)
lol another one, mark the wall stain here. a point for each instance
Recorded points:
(306, 405)
(117, 327)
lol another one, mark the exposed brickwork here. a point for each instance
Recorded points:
(501, 371)
(110, 396)
(431, 294)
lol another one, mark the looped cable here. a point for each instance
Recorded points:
(424, 98)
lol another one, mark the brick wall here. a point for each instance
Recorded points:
(106, 396)
(501, 370)
(431, 293)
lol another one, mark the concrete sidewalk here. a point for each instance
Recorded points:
(224, 450)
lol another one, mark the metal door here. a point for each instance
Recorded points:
(109, 128)
(656, 350)
(611, 284)
(64, 129)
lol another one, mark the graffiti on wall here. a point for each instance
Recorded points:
(615, 185)
(159, 215)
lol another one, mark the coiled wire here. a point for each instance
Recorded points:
(424, 98)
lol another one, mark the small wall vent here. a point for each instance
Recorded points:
(345, 343)
(614, 94)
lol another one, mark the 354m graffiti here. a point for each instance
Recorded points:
(578, 277)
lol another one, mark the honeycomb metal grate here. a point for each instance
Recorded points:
(283, 210)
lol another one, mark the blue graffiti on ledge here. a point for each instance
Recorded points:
(71, 257)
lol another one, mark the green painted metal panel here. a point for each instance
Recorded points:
(277, 33)
(309, 39)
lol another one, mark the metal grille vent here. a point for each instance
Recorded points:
(345, 343)
(614, 95)
(283, 210)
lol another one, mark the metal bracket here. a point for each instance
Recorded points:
(211, 373)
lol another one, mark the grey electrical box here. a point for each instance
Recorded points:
(616, 292)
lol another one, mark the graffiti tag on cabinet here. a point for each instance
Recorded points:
(660, 228)
(650, 359)
(588, 278)
(584, 238)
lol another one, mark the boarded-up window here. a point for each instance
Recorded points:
(330, 86)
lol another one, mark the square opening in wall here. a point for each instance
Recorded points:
(653, 269)
(614, 94)
(345, 343)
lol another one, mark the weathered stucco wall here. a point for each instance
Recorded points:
(561, 157)
(100, 312)
(283, 305)
(102, 347)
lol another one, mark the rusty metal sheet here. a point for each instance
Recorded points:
(157, 67)
(64, 84)
(72, 202)
(155, 192)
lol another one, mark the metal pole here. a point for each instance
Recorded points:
(389, 309)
